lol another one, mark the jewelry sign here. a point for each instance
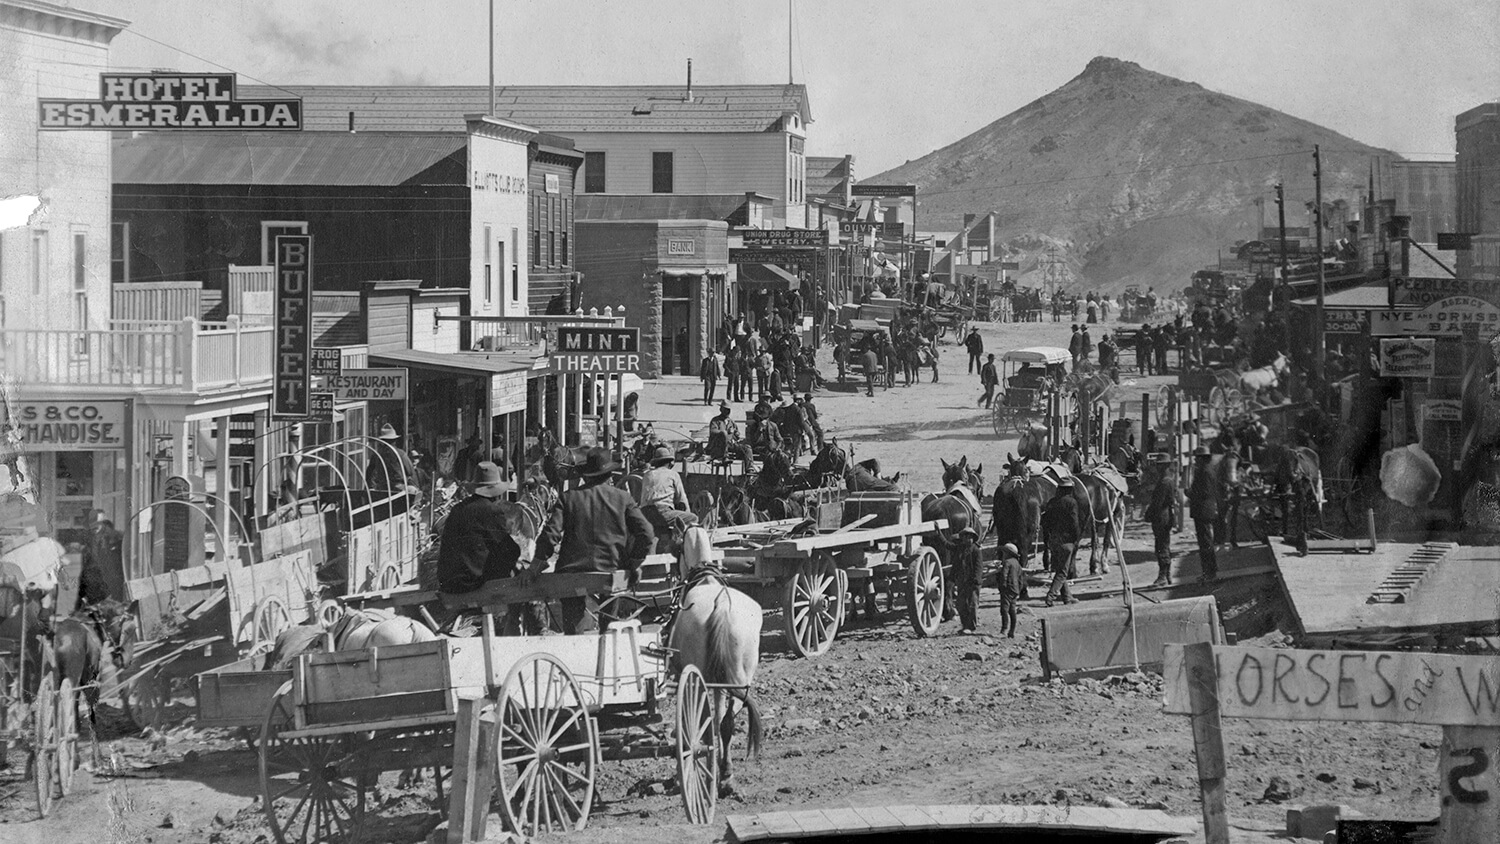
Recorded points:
(293, 383)
(170, 101)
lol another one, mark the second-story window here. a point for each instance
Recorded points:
(661, 172)
(593, 172)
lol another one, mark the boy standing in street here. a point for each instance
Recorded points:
(1010, 578)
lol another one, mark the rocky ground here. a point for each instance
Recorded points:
(883, 718)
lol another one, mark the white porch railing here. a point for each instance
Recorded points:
(187, 355)
(157, 300)
(531, 333)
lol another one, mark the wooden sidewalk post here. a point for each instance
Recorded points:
(473, 771)
(1208, 739)
(1467, 782)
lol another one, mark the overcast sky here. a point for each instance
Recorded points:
(888, 80)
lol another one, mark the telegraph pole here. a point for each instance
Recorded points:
(1283, 290)
(1318, 350)
(492, 58)
(1281, 222)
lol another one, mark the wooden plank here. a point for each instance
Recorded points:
(1366, 686)
(807, 544)
(880, 819)
(847, 821)
(1101, 637)
(366, 726)
(859, 522)
(543, 587)
(912, 816)
(1208, 740)
(473, 776)
(1468, 785)
(743, 828)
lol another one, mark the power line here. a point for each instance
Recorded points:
(140, 34)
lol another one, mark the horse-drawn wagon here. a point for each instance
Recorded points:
(1217, 389)
(334, 721)
(878, 546)
(1027, 377)
(38, 712)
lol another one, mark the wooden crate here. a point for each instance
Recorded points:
(237, 695)
(889, 508)
(399, 682)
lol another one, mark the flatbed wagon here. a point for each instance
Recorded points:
(878, 547)
(333, 722)
(1218, 389)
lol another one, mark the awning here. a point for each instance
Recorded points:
(769, 275)
(1365, 296)
(692, 272)
(457, 363)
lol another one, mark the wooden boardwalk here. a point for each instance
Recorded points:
(867, 820)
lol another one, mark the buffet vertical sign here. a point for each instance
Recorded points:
(293, 387)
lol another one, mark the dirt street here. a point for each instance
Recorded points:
(883, 718)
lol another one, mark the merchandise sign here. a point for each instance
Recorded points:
(319, 407)
(293, 381)
(1426, 291)
(1408, 357)
(507, 392)
(586, 349)
(1345, 320)
(772, 256)
(369, 385)
(70, 425)
(858, 226)
(170, 101)
(326, 362)
(884, 190)
(1447, 317)
(785, 237)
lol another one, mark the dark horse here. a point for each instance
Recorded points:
(559, 462)
(1016, 515)
(79, 644)
(959, 504)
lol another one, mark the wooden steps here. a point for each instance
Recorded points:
(1397, 586)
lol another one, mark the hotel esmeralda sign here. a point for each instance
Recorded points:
(170, 101)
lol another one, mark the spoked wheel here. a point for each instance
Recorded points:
(1023, 419)
(44, 749)
(1236, 402)
(810, 608)
(67, 735)
(548, 749)
(924, 598)
(310, 788)
(843, 584)
(1218, 406)
(1163, 400)
(390, 577)
(697, 746)
(271, 620)
(1000, 417)
(329, 613)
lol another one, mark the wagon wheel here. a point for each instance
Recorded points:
(1163, 400)
(67, 735)
(44, 747)
(843, 584)
(547, 749)
(1000, 417)
(146, 698)
(1236, 402)
(697, 746)
(1219, 408)
(329, 613)
(1022, 419)
(811, 607)
(390, 577)
(924, 604)
(271, 620)
(306, 791)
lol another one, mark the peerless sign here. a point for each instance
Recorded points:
(170, 101)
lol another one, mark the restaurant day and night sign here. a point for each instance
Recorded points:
(170, 101)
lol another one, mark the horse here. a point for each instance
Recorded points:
(959, 504)
(1035, 442)
(559, 462)
(79, 645)
(354, 630)
(830, 464)
(1100, 492)
(1253, 382)
(736, 507)
(1016, 513)
(717, 630)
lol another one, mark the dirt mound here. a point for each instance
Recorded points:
(1143, 175)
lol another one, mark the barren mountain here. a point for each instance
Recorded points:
(1124, 175)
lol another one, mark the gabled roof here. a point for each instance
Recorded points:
(552, 108)
(292, 158)
(828, 175)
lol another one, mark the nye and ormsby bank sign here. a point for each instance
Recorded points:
(170, 101)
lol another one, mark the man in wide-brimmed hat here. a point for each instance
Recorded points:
(664, 498)
(1206, 505)
(724, 439)
(391, 468)
(595, 528)
(1061, 531)
(476, 546)
(1012, 583)
(966, 572)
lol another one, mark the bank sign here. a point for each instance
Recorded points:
(170, 101)
(1445, 318)
(70, 425)
(590, 350)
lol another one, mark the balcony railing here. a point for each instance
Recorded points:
(531, 334)
(187, 355)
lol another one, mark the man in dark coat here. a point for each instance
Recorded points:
(989, 378)
(975, 344)
(1144, 354)
(872, 365)
(476, 545)
(1206, 504)
(1160, 344)
(1012, 582)
(966, 574)
(594, 528)
(811, 412)
(1161, 514)
(708, 371)
(724, 439)
(1075, 346)
(1060, 531)
(102, 576)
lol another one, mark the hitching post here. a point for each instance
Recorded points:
(1208, 739)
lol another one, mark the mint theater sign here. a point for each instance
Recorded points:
(170, 101)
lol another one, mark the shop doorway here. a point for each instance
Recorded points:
(676, 337)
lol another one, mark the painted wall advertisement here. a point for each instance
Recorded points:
(1408, 358)
(70, 425)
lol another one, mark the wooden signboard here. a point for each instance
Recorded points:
(1459, 693)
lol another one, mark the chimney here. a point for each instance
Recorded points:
(689, 97)
(351, 122)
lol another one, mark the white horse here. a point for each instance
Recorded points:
(717, 629)
(1253, 381)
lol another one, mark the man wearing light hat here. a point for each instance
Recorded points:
(966, 570)
(476, 546)
(664, 498)
(391, 468)
(595, 528)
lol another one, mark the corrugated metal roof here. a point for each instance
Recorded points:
(666, 206)
(300, 158)
(550, 108)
